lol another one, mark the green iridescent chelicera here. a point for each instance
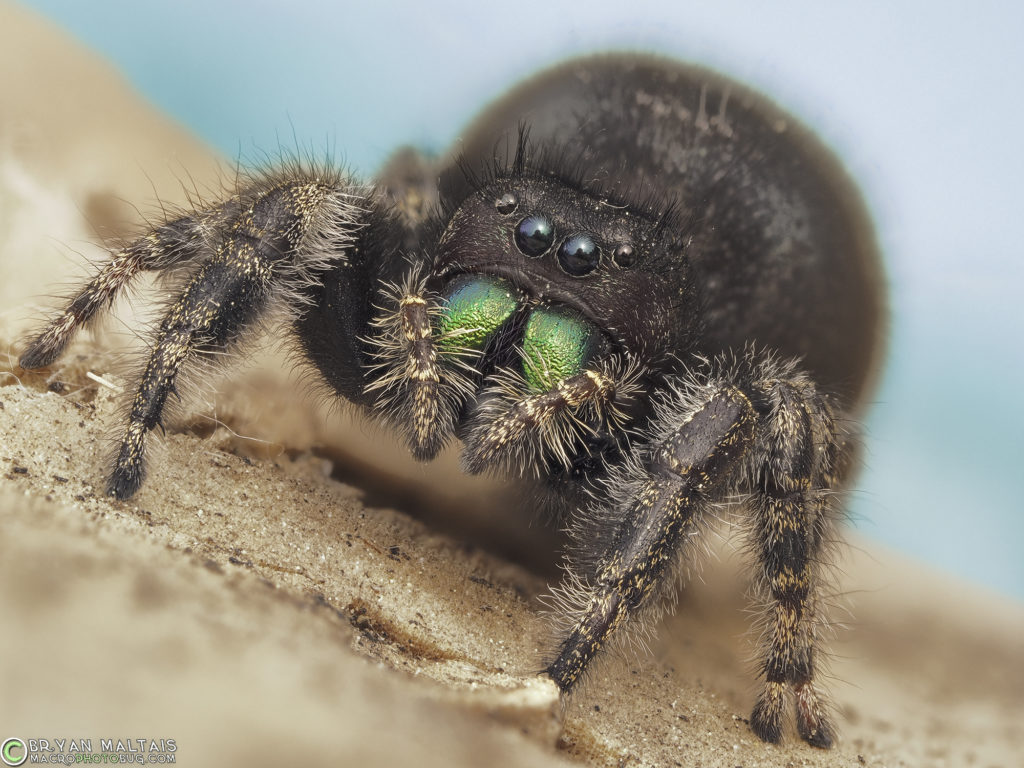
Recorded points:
(557, 343)
(475, 309)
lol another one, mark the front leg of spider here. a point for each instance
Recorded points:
(266, 244)
(768, 433)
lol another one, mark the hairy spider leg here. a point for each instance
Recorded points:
(172, 244)
(684, 472)
(765, 430)
(225, 296)
(793, 508)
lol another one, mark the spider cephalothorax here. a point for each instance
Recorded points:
(683, 315)
(531, 320)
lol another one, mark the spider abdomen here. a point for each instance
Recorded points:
(779, 242)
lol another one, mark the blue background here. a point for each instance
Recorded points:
(922, 101)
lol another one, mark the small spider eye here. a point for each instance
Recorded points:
(534, 235)
(624, 255)
(507, 203)
(579, 254)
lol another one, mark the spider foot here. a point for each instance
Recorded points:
(812, 722)
(766, 719)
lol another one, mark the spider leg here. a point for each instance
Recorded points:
(793, 508)
(270, 241)
(682, 475)
(177, 242)
(759, 428)
(219, 302)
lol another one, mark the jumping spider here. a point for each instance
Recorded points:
(664, 298)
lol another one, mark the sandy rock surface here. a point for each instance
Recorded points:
(288, 589)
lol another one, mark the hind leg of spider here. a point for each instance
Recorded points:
(175, 243)
(224, 297)
(686, 471)
(220, 300)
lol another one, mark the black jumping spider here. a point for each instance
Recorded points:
(666, 297)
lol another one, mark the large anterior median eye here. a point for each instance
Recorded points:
(579, 254)
(475, 308)
(534, 235)
(557, 343)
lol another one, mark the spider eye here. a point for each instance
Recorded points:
(534, 235)
(507, 203)
(624, 255)
(579, 254)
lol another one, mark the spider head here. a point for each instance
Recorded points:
(591, 275)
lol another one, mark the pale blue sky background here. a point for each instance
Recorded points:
(922, 100)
